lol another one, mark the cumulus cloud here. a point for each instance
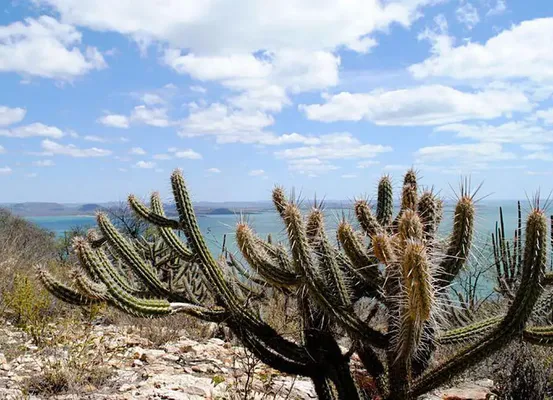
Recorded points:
(53, 148)
(137, 151)
(256, 172)
(115, 120)
(206, 27)
(464, 153)
(35, 129)
(546, 115)
(422, 105)
(44, 163)
(214, 170)
(522, 51)
(310, 166)
(9, 116)
(46, 48)
(335, 146)
(186, 153)
(467, 14)
(518, 132)
(5, 170)
(145, 164)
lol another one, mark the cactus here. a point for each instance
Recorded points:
(399, 263)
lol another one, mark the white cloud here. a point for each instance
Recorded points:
(498, 8)
(5, 170)
(206, 26)
(47, 48)
(52, 148)
(35, 129)
(198, 89)
(518, 132)
(214, 170)
(534, 147)
(152, 99)
(44, 163)
(467, 14)
(221, 120)
(31, 175)
(422, 105)
(540, 156)
(114, 120)
(256, 172)
(523, 51)
(150, 116)
(137, 151)
(217, 68)
(348, 176)
(335, 146)
(145, 164)
(546, 115)
(2, 149)
(9, 116)
(186, 153)
(310, 166)
(467, 153)
(161, 157)
(92, 138)
(367, 163)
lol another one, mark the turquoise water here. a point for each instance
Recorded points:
(214, 227)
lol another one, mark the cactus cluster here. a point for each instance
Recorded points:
(397, 261)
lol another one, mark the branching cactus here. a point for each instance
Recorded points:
(397, 261)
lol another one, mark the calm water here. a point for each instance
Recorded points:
(214, 227)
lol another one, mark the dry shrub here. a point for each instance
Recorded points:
(525, 373)
(75, 360)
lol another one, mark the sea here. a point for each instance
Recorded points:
(216, 227)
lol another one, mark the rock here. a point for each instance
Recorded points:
(479, 390)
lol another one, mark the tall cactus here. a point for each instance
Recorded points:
(397, 262)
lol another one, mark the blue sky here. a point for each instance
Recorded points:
(102, 98)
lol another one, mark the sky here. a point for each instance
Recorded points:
(102, 98)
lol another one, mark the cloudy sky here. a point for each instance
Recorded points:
(99, 98)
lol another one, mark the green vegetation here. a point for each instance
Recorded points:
(399, 263)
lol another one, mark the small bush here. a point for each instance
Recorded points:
(31, 307)
(526, 376)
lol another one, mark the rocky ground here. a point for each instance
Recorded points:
(116, 363)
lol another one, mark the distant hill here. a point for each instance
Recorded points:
(89, 208)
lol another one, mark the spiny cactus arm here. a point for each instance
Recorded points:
(223, 294)
(133, 305)
(409, 194)
(460, 241)
(385, 202)
(93, 290)
(279, 200)
(366, 218)
(512, 325)
(303, 262)
(327, 260)
(260, 261)
(430, 210)
(548, 280)
(151, 216)
(469, 332)
(168, 234)
(355, 250)
(419, 298)
(113, 273)
(238, 266)
(129, 255)
(542, 336)
(61, 291)
(302, 366)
